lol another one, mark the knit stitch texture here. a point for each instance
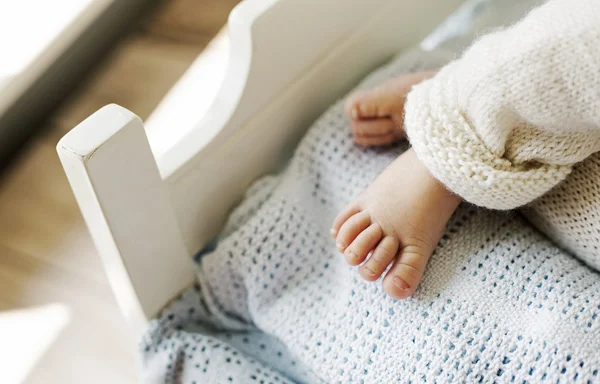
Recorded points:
(506, 122)
(276, 303)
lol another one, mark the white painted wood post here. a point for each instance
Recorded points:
(126, 206)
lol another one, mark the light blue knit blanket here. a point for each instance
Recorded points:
(276, 303)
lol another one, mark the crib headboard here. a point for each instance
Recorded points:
(149, 213)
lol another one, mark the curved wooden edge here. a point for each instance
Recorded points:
(126, 206)
(281, 76)
(147, 219)
(240, 23)
(274, 42)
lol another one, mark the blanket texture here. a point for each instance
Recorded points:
(276, 303)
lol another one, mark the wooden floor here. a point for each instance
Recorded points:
(59, 322)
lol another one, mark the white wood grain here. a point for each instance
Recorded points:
(289, 60)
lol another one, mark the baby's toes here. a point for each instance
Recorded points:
(351, 229)
(404, 276)
(376, 132)
(375, 141)
(385, 100)
(381, 257)
(373, 127)
(346, 213)
(362, 104)
(364, 243)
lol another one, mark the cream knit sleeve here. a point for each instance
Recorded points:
(506, 122)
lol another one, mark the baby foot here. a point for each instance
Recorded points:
(397, 220)
(377, 115)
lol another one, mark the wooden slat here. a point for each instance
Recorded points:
(46, 252)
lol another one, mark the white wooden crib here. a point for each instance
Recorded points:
(150, 209)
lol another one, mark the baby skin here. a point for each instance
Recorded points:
(399, 219)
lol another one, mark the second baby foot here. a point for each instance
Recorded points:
(377, 115)
(397, 220)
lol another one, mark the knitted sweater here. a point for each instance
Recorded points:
(507, 121)
(498, 302)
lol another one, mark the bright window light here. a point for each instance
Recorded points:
(27, 27)
(25, 335)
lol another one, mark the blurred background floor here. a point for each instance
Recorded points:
(59, 322)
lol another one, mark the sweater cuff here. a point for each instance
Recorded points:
(443, 139)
